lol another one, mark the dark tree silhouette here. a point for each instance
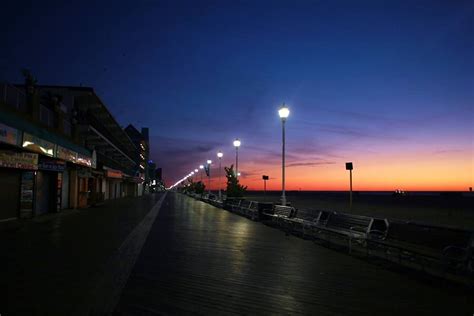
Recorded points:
(194, 187)
(234, 189)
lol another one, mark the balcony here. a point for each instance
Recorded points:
(13, 97)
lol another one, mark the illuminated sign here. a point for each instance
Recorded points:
(51, 164)
(84, 160)
(9, 135)
(94, 160)
(10, 159)
(114, 173)
(38, 145)
(66, 154)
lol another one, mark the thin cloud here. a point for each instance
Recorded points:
(310, 164)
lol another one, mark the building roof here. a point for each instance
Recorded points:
(89, 100)
(133, 133)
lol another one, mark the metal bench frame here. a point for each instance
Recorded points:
(424, 254)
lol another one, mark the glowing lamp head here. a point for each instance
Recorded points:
(284, 112)
(192, 172)
(195, 170)
(220, 155)
(238, 174)
(237, 142)
(209, 162)
(201, 167)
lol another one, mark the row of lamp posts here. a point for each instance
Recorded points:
(283, 112)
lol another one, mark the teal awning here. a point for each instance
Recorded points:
(29, 127)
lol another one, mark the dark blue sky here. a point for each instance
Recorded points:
(360, 76)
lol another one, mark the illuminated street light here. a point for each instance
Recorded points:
(283, 112)
(220, 155)
(209, 162)
(237, 145)
(201, 167)
(196, 171)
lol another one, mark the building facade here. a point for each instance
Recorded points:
(141, 142)
(60, 147)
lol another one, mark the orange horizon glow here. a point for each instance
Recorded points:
(384, 172)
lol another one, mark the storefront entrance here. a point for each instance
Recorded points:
(46, 192)
(10, 193)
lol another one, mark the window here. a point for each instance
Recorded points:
(67, 128)
(46, 116)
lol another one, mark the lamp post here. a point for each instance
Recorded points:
(264, 178)
(209, 162)
(237, 145)
(201, 167)
(220, 155)
(283, 112)
(349, 166)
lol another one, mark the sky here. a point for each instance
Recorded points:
(387, 85)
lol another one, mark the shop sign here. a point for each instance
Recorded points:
(10, 159)
(94, 160)
(51, 165)
(9, 135)
(114, 173)
(59, 191)
(84, 160)
(38, 145)
(66, 154)
(26, 194)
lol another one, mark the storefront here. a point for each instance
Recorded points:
(17, 182)
(49, 184)
(130, 186)
(76, 177)
(96, 187)
(114, 183)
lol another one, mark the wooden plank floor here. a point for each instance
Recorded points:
(199, 259)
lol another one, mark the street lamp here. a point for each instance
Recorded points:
(209, 162)
(283, 112)
(201, 167)
(237, 145)
(265, 178)
(350, 166)
(220, 155)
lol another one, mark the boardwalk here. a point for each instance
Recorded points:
(51, 265)
(200, 259)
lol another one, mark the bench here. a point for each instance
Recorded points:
(249, 209)
(420, 242)
(283, 216)
(253, 211)
(213, 200)
(349, 226)
(284, 211)
(307, 220)
(244, 204)
(231, 203)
